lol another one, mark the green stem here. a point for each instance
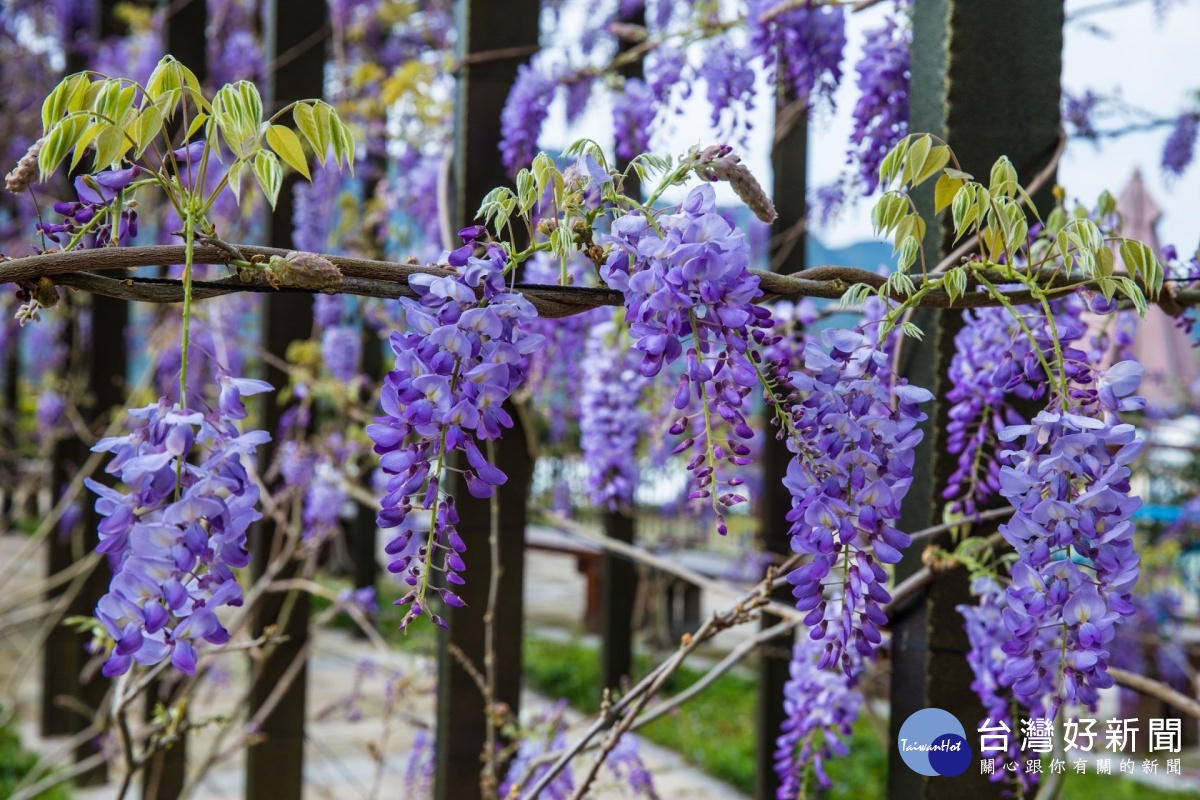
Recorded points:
(189, 240)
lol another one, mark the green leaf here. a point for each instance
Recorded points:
(269, 173)
(1003, 179)
(1141, 263)
(914, 162)
(343, 144)
(955, 282)
(945, 191)
(526, 190)
(236, 171)
(856, 295)
(963, 211)
(912, 331)
(286, 144)
(111, 145)
(937, 159)
(562, 241)
(82, 142)
(1106, 204)
(197, 122)
(307, 123)
(1104, 262)
(251, 102)
(60, 141)
(149, 124)
(322, 115)
(891, 163)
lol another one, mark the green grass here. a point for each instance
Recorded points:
(16, 762)
(715, 731)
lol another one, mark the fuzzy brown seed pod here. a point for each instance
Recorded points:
(718, 163)
(25, 173)
(305, 271)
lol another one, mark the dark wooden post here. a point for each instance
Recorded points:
(102, 370)
(10, 446)
(62, 655)
(787, 254)
(481, 91)
(275, 764)
(618, 576)
(984, 108)
(165, 774)
(364, 530)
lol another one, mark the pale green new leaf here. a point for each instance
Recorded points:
(964, 210)
(306, 121)
(945, 191)
(526, 191)
(914, 162)
(937, 159)
(286, 144)
(856, 295)
(1003, 180)
(149, 124)
(111, 145)
(197, 122)
(84, 141)
(955, 283)
(269, 173)
(1106, 204)
(60, 141)
(912, 331)
(562, 242)
(236, 171)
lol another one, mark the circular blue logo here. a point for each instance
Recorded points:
(932, 742)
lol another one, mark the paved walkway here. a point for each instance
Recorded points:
(350, 717)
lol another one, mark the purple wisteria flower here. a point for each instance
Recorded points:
(98, 194)
(694, 279)
(177, 533)
(820, 707)
(994, 366)
(1076, 564)
(801, 46)
(634, 110)
(881, 113)
(341, 349)
(611, 421)
(524, 114)
(458, 359)
(323, 500)
(1180, 147)
(729, 86)
(986, 633)
(853, 429)
(1078, 111)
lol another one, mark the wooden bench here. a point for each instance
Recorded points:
(588, 559)
(673, 604)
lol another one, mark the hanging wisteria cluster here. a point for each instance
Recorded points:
(457, 361)
(853, 430)
(179, 532)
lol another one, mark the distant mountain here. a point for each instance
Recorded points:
(867, 255)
